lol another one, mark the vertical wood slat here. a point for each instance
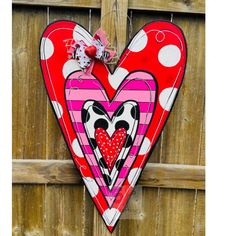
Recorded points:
(156, 204)
(114, 23)
(72, 204)
(29, 116)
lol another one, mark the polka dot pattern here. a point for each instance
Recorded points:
(76, 148)
(91, 185)
(139, 42)
(159, 50)
(111, 215)
(145, 146)
(133, 176)
(167, 97)
(118, 76)
(69, 67)
(58, 109)
(110, 147)
(46, 48)
(169, 55)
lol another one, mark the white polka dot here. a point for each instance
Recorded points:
(58, 109)
(133, 176)
(139, 42)
(91, 186)
(69, 67)
(111, 215)
(169, 55)
(46, 48)
(167, 98)
(80, 33)
(145, 146)
(76, 148)
(117, 77)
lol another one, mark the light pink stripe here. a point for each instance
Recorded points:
(76, 117)
(82, 95)
(88, 84)
(77, 105)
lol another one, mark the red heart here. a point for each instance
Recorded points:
(91, 51)
(156, 54)
(110, 147)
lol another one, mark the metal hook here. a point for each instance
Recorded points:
(171, 17)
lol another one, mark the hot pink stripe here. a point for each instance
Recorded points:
(140, 85)
(141, 96)
(96, 171)
(78, 105)
(95, 84)
(109, 193)
(123, 172)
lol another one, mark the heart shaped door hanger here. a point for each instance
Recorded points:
(111, 121)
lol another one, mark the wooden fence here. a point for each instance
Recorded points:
(48, 198)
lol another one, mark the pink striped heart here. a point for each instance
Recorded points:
(139, 87)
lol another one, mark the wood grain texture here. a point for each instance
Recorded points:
(61, 3)
(184, 6)
(64, 172)
(66, 209)
(29, 116)
(114, 22)
(190, 6)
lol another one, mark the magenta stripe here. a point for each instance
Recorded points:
(140, 85)
(96, 171)
(123, 172)
(78, 105)
(109, 193)
(94, 84)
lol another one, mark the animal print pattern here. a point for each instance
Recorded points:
(94, 116)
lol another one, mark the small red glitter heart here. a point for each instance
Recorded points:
(110, 147)
(91, 51)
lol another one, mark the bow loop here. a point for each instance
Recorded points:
(87, 54)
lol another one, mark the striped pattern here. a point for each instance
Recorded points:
(79, 89)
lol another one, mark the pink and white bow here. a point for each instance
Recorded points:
(87, 54)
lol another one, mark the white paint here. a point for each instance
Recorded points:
(58, 109)
(46, 48)
(111, 215)
(145, 146)
(69, 67)
(79, 33)
(167, 97)
(139, 42)
(91, 186)
(117, 77)
(169, 55)
(76, 148)
(133, 176)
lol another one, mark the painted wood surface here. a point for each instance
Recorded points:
(52, 209)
